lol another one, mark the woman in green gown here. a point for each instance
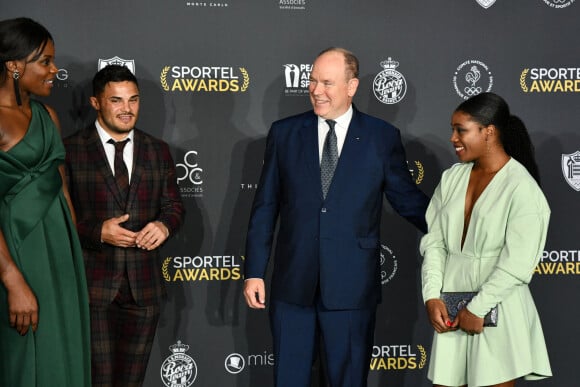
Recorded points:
(488, 221)
(44, 320)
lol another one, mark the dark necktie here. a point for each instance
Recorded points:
(121, 172)
(329, 158)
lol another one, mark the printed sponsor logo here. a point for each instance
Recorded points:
(472, 77)
(178, 369)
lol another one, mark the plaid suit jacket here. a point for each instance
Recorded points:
(153, 195)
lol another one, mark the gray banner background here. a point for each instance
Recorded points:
(217, 139)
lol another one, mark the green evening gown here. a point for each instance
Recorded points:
(42, 240)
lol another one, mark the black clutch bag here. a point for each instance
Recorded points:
(455, 301)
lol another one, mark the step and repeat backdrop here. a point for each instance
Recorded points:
(215, 74)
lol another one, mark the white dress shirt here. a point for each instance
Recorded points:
(110, 149)
(340, 129)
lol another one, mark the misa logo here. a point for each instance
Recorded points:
(472, 77)
(297, 78)
(389, 85)
(204, 79)
(129, 63)
(550, 80)
(236, 363)
(178, 369)
(558, 3)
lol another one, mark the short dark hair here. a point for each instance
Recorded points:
(350, 60)
(19, 38)
(112, 73)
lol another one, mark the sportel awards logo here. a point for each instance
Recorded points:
(398, 357)
(418, 172)
(189, 176)
(558, 3)
(571, 169)
(202, 268)
(204, 79)
(389, 264)
(129, 63)
(179, 369)
(236, 363)
(550, 80)
(297, 79)
(389, 85)
(559, 262)
(472, 77)
(486, 3)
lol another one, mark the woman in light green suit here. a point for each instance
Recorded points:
(488, 220)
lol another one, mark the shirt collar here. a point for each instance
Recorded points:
(106, 136)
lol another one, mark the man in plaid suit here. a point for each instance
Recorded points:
(127, 204)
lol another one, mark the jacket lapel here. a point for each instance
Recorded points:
(309, 150)
(352, 149)
(139, 150)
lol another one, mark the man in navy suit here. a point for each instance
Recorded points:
(326, 278)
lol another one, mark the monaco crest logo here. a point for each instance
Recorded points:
(571, 169)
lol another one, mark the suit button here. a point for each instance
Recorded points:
(323, 209)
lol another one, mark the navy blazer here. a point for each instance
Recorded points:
(332, 241)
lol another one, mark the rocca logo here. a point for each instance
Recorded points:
(179, 369)
(204, 79)
(558, 3)
(389, 264)
(550, 80)
(189, 176)
(202, 268)
(472, 77)
(559, 262)
(389, 85)
(129, 63)
(297, 77)
(571, 169)
(398, 357)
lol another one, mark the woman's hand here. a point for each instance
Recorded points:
(22, 304)
(438, 317)
(469, 322)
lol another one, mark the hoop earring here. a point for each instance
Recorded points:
(16, 77)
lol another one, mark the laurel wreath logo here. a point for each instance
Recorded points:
(423, 356)
(246, 76)
(421, 172)
(165, 270)
(163, 78)
(523, 80)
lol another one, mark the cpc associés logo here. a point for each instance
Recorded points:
(189, 176)
(179, 369)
